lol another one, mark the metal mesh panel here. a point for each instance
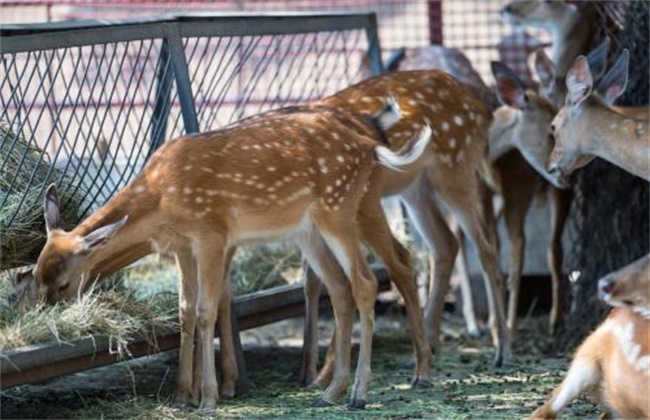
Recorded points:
(87, 117)
(88, 110)
(236, 77)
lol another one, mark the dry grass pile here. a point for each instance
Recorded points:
(25, 172)
(111, 311)
(139, 302)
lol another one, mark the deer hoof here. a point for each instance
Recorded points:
(419, 383)
(357, 403)
(320, 402)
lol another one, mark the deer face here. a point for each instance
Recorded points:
(59, 270)
(628, 287)
(62, 268)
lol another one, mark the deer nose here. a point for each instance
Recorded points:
(606, 287)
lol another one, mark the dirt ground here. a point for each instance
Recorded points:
(465, 386)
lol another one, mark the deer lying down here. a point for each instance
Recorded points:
(615, 357)
(263, 179)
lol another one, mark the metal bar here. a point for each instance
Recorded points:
(182, 77)
(41, 362)
(374, 48)
(189, 26)
(164, 80)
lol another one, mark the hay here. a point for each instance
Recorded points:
(25, 175)
(140, 301)
(113, 312)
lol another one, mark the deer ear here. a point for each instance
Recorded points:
(510, 89)
(597, 59)
(578, 82)
(613, 84)
(396, 57)
(545, 69)
(51, 206)
(101, 236)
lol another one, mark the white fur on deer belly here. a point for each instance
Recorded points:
(250, 229)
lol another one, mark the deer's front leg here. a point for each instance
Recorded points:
(187, 299)
(584, 373)
(210, 257)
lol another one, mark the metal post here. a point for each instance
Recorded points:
(163, 99)
(182, 75)
(435, 21)
(374, 48)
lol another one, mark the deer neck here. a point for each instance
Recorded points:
(501, 137)
(132, 241)
(621, 140)
(571, 37)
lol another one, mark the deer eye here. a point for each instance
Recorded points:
(64, 286)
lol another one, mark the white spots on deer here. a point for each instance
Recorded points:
(444, 126)
(199, 199)
(413, 102)
(208, 170)
(468, 139)
(323, 165)
(271, 169)
(460, 157)
(187, 167)
(366, 99)
(340, 158)
(446, 159)
(458, 120)
(452, 143)
(139, 189)
(419, 95)
(171, 190)
(187, 190)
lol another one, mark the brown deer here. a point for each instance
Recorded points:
(201, 195)
(586, 127)
(519, 145)
(615, 357)
(522, 123)
(457, 174)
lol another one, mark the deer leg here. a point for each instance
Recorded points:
(340, 236)
(584, 373)
(229, 368)
(210, 258)
(429, 221)
(309, 367)
(324, 264)
(560, 202)
(516, 205)
(475, 215)
(469, 310)
(376, 234)
(187, 299)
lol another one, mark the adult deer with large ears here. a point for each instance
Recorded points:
(586, 127)
(615, 357)
(201, 195)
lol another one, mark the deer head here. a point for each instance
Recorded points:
(575, 125)
(628, 287)
(543, 14)
(62, 268)
(523, 123)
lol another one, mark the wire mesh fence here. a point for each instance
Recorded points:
(84, 105)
